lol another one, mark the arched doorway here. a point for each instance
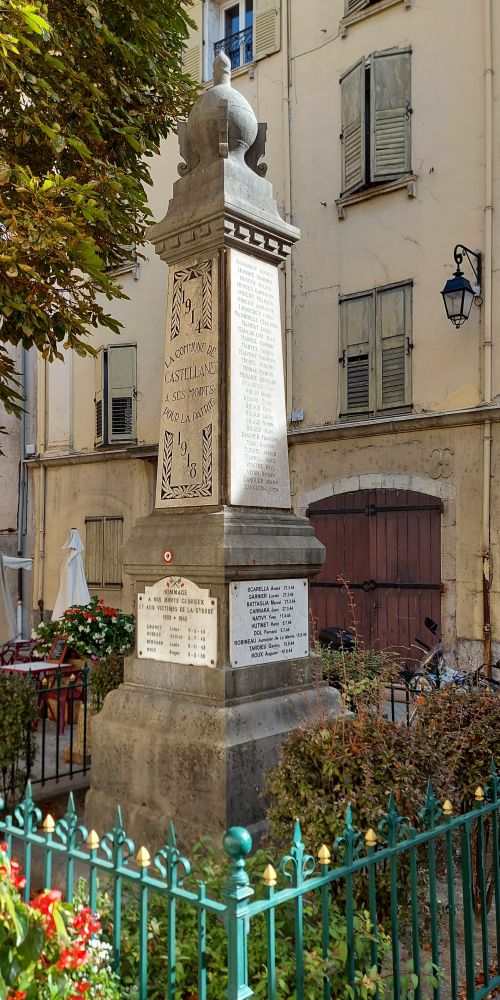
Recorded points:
(386, 545)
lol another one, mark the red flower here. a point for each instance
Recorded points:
(44, 903)
(82, 987)
(73, 957)
(17, 995)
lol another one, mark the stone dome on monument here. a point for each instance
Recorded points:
(203, 129)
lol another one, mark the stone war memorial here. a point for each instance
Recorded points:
(222, 670)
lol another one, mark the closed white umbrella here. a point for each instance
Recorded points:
(72, 583)
(7, 617)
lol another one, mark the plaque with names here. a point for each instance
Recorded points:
(269, 620)
(258, 452)
(189, 426)
(177, 622)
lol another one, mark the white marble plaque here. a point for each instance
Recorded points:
(269, 620)
(258, 450)
(189, 425)
(177, 621)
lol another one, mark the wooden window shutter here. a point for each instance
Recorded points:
(357, 331)
(192, 61)
(267, 27)
(353, 136)
(352, 6)
(99, 397)
(94, 547)
(394, 344)
(112, 558)
(121, 393)
(390, 114)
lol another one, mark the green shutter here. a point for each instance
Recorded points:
(357, 332)
(353, 128)
(192, 60)
(93, 550)
(394, 343)
(99, 397)
(352, 6)
(267, 30)
(112, 555)
(121, 393)
(390, 114)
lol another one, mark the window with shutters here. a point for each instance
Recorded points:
(115, 394)
(246, 30)
(103, 551)
(375, 351)
(376, 116)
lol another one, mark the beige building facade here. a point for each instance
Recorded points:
(383, 147)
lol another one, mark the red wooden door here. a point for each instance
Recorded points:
(386, 545)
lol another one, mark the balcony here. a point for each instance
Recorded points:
(238, 47)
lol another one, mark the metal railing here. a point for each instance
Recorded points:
(439, 877)
(238, 47)
(62, 728)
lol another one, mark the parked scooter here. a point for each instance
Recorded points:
(434, 671)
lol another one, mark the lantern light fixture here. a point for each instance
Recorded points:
(458, 293)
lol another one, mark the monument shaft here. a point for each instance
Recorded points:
(222, 670)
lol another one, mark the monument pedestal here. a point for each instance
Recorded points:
(192, 743)
(222, 671)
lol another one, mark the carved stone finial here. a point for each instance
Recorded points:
(222, 70)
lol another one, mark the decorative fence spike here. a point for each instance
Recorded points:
(143, 857)
(269, 877)
(479, 794)
(447, 808)
(93, 840)
(324, 856)
(370, 838)
(49, 824)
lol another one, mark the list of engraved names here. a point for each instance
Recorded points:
(259, 458)
(177, 621)
(268, 621)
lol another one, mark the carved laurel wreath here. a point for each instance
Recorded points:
(192, 490)
(203, 271)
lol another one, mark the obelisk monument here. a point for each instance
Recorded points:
(222, 670)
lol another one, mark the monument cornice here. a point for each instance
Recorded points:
(231, 227)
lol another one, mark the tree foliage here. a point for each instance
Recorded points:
(88, 90)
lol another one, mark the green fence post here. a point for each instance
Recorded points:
(237, 890)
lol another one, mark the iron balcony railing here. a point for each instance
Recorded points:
(440, 874)
(238, 47)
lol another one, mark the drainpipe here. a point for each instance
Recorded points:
(21, 509)
(42, 422)
(488, 317)
(285, 103)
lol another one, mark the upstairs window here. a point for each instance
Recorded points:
(115, 394)
(353, 6)
(247, 30)
(376, 114)
(237, 33)
(376, 346)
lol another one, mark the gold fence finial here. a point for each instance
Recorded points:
(447, 808)
(49, 824)
(93, 840)
(479, 794)
(269, 877)
(370, 838)
(143, 857)
(324, 856)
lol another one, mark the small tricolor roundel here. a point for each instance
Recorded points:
(168, 556)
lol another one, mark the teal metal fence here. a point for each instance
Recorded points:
(401, 910)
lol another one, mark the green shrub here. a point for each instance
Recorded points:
(357, 760)
(18, 712)
(105, 675)
(360, 674)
